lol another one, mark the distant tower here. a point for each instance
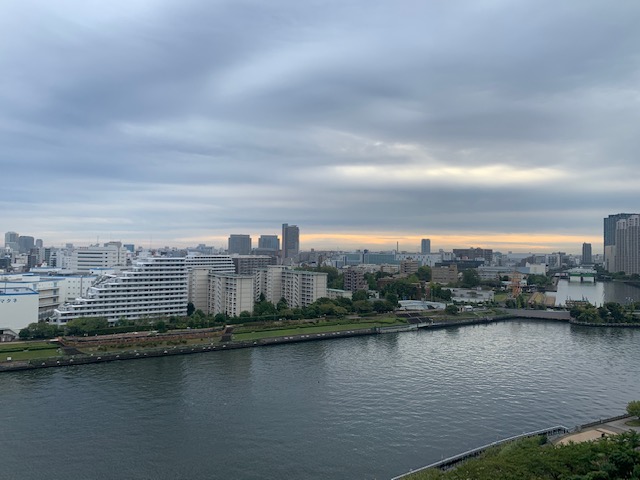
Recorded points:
(425, 246)
(240, 244)
(269, 242)
(610, 239)
(586, 254)
(290, 241)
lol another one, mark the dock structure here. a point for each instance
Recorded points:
(452, 462)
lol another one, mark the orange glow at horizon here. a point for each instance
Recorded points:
(527, 242)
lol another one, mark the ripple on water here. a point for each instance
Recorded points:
(369, 407)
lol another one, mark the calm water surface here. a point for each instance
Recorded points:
(596, 293)
(359, 408)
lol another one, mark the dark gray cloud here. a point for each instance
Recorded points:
(187, 121)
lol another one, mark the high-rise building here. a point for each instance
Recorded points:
(231, 294)
(627, 246)
(110, 255)
(269, 242)
(587, 258)
(240, 244)
(290, 241)
(485, 254)
(11, 241)
(26, 243)
(153, 287)
(298, 287)
(610, 223)
(425, 246)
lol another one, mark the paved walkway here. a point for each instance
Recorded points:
(598, 431)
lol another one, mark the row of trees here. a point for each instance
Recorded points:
(610, 312)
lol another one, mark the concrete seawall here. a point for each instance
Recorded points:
(83, 359)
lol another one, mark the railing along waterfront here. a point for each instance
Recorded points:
(455, 460)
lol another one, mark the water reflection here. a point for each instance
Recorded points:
(596, 293)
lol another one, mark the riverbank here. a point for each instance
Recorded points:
(482, 458)
(144, 345)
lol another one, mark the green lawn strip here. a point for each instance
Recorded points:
(27, 350)
(30, 354)
(21, 346)
(310, 330)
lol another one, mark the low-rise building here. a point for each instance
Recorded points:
(18, 308)
(445, 274)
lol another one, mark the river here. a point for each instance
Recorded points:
(596, 293)
(358, 408)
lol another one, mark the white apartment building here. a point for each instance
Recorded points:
(299, 288)
(199, 267)
(153, 287)
(216, 263)
(199, 288)
(84, 259)
(231, 294)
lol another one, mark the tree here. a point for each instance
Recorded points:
(392, 299)
(633, 408)
(86, 325)
(470, 278)
(190, 309)
(359, 295)
(362, 306)
(424, 273)
(451, 309)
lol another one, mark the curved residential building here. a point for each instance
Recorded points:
(153, 287)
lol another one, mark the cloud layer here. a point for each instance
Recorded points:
(187, 121)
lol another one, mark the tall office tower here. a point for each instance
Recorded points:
(269, 242)
(39, 243)
(290, 240)
(425, 246)
(239, 244)
(26, 243)
(627, 247)
(11, 241)
(586, 254)
(610, 239)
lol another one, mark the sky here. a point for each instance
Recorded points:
(511, 125)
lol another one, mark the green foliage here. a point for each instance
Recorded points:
(608, 459)
(39, 330)
(190, 309)
(538, 280)
(86, 325)
(424, 273)
(404, 288)
(439, 293)
(359, 295)
(451, 310)
(633, 408)
(610, 312)
(470, 278)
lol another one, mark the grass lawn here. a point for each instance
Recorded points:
(27, 350)
(302, 330)
(633, 423)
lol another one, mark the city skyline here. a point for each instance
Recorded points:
(489, 124)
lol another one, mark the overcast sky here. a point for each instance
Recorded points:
(506, 124)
